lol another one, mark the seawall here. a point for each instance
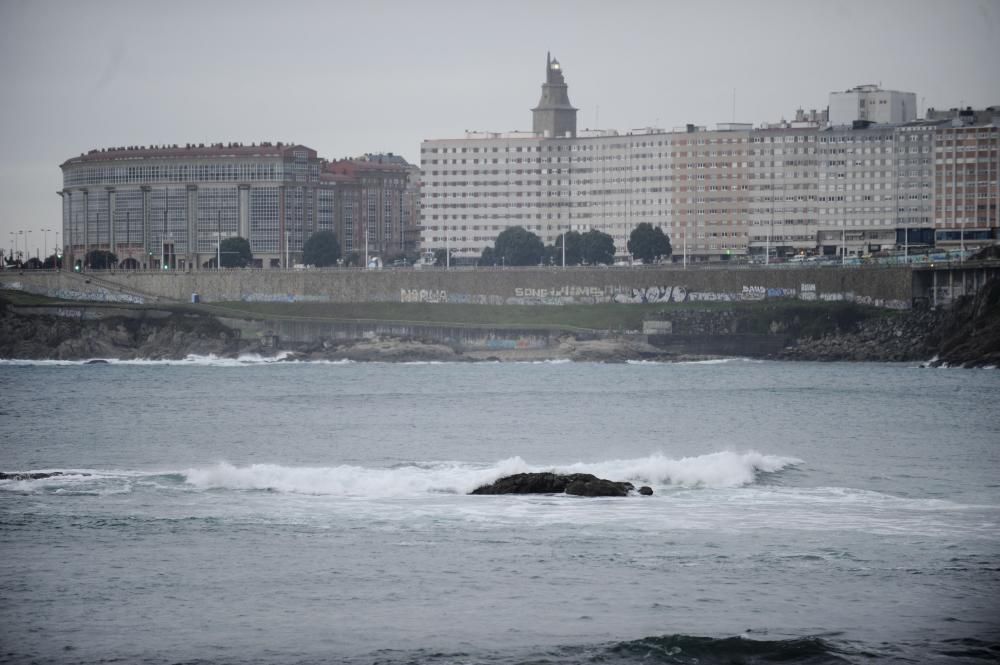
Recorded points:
(889, 287)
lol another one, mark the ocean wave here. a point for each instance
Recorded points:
(191, 360)
(713, 470)
(707, 650)
(665, 649)
(723, 469)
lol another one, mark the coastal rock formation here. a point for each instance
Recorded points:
(898, 337)
(577, 484)
(31, 475)
(380, 349)
(606, 350)
(965, 335)
(970, 336)
(160, 335)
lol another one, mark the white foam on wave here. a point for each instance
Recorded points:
(191, 360)
(723, 469)
(348, 480)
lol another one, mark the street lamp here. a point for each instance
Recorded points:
(45, 240)
(163, 241)
(218, 242)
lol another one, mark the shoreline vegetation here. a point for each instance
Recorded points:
(967, 334)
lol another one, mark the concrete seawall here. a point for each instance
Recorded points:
(890, 287)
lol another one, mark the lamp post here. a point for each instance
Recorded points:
(685, 245)
(128, 236)
(163, 243)
(27, 240)
(564, 248)
(218, 242)
(45, 242)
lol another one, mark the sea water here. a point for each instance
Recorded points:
(235, 511)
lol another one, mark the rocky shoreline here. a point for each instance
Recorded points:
(966, 335)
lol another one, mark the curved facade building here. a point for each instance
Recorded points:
(169, 206)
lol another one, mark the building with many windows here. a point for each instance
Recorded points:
(171, 206)
(833, 183)
(870, 103)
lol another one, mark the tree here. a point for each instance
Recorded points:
(597, 247)
(100, 259)
(321, 249)
(488, 257)
(235, 253)
(648, 243)
(519, 247)
(440, 257)
(554, 252)
(53, 262)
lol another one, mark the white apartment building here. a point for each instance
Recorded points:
(872, 104)
(735, 192)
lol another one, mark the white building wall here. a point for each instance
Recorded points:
(869, 102)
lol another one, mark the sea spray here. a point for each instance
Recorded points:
(716, 470)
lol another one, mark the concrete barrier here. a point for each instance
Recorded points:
(890, 287)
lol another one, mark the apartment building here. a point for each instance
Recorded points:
(829, 182)
(967, 185)
(870, 103)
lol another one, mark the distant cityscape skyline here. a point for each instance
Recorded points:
(79, 78)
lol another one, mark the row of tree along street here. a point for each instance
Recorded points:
(515, 246)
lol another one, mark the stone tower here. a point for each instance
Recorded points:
(554, 116)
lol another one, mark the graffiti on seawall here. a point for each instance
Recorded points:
(665, 294)
(645, 294)
(99, 294)
(514, 344)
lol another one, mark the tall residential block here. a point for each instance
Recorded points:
(871, 103)
(865, 178)
(171, 206)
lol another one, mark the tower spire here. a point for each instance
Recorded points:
(554, 117)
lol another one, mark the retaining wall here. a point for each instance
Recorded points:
(879, 286)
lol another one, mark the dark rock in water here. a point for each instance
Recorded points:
(578, 484)
(645, 490)
(96, 361)
(28, 476)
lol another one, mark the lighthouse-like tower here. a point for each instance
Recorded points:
(554, 117)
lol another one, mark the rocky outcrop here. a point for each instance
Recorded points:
(173, 335)
(615, 349)
(970, 337)
(895, 337)
(379, 349)
(577, 484)
(965, 335)
(32, 475)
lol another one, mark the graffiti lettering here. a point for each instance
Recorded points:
(423, 295)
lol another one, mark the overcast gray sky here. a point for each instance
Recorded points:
(347, 78)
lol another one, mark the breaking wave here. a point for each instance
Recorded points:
(723, 469)
(715, 470)
(665, 649)
(211, 360)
